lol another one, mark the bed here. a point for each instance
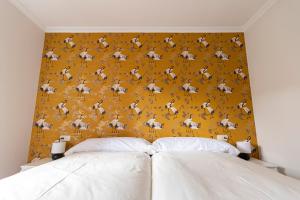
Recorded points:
(85, 175)
(215, 176)
(122, 169)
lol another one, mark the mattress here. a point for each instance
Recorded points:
(88, 176)
(212, 176)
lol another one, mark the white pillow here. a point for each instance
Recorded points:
(171, 144)
(112, 144)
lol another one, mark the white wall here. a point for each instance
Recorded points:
(21, 45)
(273, 49)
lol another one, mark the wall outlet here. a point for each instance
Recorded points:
(65, 138)
(222, 137)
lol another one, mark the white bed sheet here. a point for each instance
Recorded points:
(215, 176)
(84, 176)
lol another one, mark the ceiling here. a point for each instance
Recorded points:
(216, 15)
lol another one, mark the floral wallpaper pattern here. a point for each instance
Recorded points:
(146, 85)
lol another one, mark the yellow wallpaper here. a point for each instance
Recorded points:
(147, 85)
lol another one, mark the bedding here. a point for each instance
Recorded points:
(214, 176)
(84, 176)
(112, 144)
(187, 144)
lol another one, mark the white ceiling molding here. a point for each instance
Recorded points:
(27, 13)
(166, 29)
(259, 14)
(177, 29)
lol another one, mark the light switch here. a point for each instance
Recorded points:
(65, 138)
(222, 137)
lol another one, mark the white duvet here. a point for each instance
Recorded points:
(83, 176)
(212, 176)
